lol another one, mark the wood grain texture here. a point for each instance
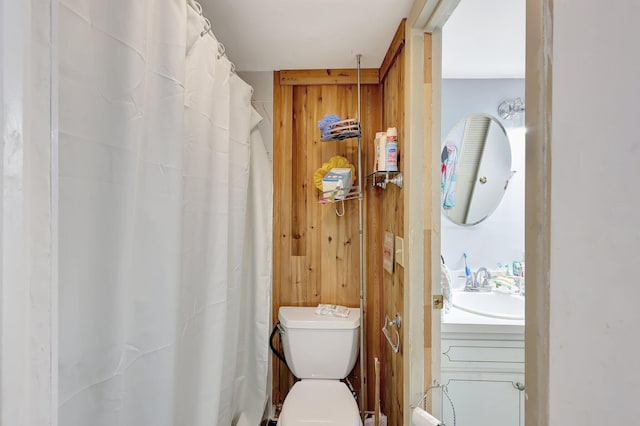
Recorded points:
(316, 254)
(396, 46)
(328, 77)
(393, 221)
(372, 206)
(429, 208)
(282, 158)
(428, 67)
(299, 175)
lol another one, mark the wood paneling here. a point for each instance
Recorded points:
(328, 77)
(282, 171)
(397, 44)
(372, 120)
(316, 253)
(393, 221)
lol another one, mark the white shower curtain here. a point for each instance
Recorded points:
(164, 309)
(27, 215)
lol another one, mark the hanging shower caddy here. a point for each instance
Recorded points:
(340, 131)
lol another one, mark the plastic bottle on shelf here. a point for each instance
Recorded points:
(391, 150)
(381, 138)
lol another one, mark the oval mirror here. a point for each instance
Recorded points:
(475, 169)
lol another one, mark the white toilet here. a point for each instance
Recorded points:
(320, 350)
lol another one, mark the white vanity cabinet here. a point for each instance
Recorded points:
(483, 370)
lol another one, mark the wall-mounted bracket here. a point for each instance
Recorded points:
(381, 179)
(395, 326)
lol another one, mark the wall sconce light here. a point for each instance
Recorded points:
(509, 110)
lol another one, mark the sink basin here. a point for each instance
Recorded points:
(490, 304)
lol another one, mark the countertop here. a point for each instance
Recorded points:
(458, 321)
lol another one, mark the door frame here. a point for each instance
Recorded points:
(423, 127)
(421, 231)
(422, 201)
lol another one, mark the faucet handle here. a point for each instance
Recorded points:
(482, 278)
(470, 284)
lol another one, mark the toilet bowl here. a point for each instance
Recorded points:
(319, 402)
(321, 351)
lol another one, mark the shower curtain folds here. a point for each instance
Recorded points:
(158, 205)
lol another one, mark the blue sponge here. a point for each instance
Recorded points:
(325, 124)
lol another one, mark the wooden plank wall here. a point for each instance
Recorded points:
(316, 253)
(392, 75)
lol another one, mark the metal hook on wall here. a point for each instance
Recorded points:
(511, 108)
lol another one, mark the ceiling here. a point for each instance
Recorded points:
(485, 39)
(267, 35)
(482, 39)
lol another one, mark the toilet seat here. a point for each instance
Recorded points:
(316, 401)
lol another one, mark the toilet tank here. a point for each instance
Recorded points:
(318, 346)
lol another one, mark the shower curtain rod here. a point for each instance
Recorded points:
(207, 30)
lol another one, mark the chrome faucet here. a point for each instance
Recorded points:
(482, 279)
(478, 281)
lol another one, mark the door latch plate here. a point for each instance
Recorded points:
(438, 301)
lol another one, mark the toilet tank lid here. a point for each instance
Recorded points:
(305, 317)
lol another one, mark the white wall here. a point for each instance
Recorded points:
(500, 238)
(595, 211)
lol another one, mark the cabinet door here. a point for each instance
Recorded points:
(484, 399)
